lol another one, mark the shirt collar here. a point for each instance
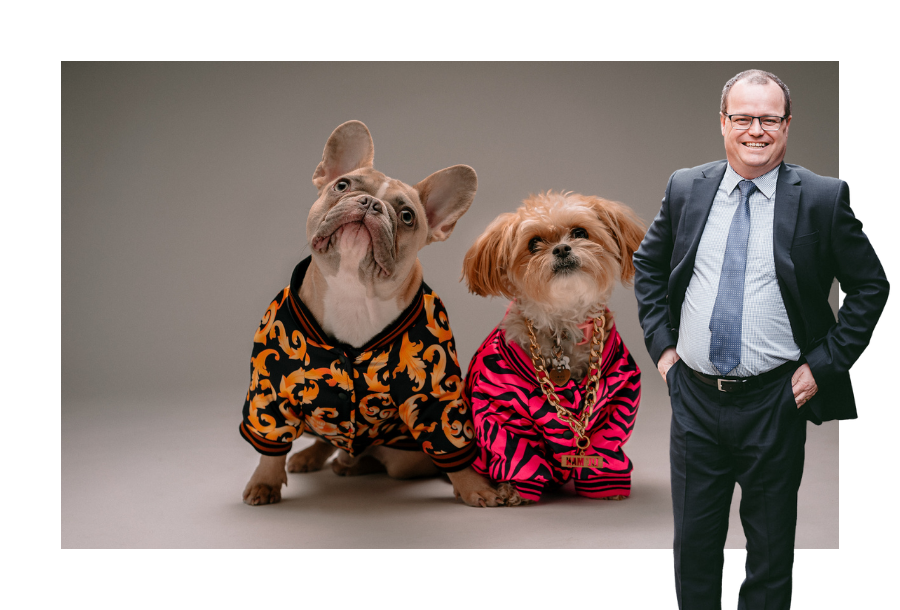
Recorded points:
(765, 183)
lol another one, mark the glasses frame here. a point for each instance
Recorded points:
(758, 118)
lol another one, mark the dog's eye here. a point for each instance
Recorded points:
(407, 217)
(579, 233)
(533, 244)
(341, 185)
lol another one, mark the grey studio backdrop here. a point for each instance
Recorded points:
(185, 189)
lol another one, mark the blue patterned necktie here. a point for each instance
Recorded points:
(725, 322)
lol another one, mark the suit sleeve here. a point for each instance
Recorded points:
(651, 280)
(865, 285)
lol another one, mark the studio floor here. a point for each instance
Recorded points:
(168, 474)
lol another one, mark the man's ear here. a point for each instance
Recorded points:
(446, 195)
(348, 148)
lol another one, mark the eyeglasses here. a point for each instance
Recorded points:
(744, 121)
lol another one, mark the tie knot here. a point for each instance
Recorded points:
(746, 187)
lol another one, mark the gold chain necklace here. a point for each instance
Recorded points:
(598, 339)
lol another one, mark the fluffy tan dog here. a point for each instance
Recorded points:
(558, 258)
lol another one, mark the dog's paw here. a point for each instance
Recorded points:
(264, 486)
(261, 493)
(510, 495)
(310, 459)
(474, 489)
(614, 498)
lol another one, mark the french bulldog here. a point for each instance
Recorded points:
(357, 349)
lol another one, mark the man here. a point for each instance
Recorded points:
(732, 286)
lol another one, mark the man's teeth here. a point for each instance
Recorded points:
(755, 144)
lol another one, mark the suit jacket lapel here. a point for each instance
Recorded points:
(693, 219)
(787, 205)
(694, 213)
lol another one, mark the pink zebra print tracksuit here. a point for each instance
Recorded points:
(520, 436)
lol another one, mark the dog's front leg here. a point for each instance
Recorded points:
(312, 458)
(473, 489)
(264, 486)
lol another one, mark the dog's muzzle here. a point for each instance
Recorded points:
(563, 259)
(370, 204)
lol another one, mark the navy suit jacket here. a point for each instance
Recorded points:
(816, 239)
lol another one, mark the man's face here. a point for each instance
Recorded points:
(753, 152)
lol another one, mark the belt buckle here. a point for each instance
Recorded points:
(719, 383)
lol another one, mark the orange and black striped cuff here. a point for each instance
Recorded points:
(451, 462)
(262, 445)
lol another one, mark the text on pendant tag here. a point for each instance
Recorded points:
(582, 461)
(559, 377)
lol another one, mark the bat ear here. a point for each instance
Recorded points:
(627, 229)
(349, 147)
(486, 262)
(446, 195)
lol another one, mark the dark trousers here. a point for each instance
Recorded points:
(756, 439)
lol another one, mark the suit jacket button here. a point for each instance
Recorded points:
(343, 396)
(568, 434)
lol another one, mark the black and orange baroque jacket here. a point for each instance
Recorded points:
(403, 389)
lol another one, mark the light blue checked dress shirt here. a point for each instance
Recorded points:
(766, 337)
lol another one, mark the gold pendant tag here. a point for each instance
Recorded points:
(582, 461)
(559, 376)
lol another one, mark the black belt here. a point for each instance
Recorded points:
(742, 384)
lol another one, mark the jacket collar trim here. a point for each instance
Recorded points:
(312, 330)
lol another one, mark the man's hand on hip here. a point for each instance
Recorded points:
(667, 359)
(803, 384)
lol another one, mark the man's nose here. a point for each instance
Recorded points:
(756, 126)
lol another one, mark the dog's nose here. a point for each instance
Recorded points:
(372, 204)
(562, 250)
